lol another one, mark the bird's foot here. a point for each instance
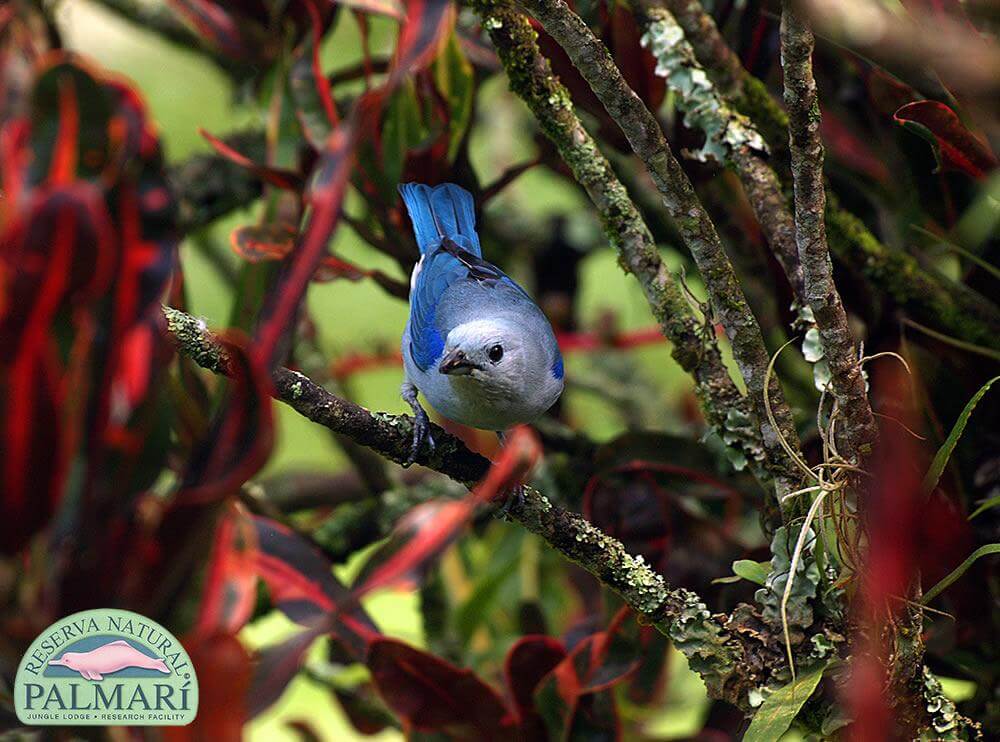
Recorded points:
(513, 500)
(421, 428)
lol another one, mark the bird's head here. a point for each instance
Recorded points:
(501, 356)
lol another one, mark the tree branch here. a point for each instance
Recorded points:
(730, 137)
(839, 348)
(643, 131)
(678, 613)
(927, 298)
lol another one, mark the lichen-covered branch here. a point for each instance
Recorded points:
(898, 275)
(531, 78)
(820, 292)
(730, 137)
(643, 131)
(680, 614)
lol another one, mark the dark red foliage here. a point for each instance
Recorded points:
(429, 528)
(231, 577)
(528, 662)
(955, 147)
(240, 440)
(430, 694)
(86, 250)
(277, 177)
(224, 669)
(301, 583)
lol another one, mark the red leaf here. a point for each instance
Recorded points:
(955, 147)
(433, 695)
(575, 696)
(278, 177)
(326, 196)
(215, 24)
(231, 578)
(427, 25)
(529, 660)
(63, 167)
(257, 242)
(428, 536)
(224, 671)
(55, 257)
(310, 88)
(277, 665)
(332, 268)
(240, 439)
(302, 585)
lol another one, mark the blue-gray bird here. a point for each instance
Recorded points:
(476, 346)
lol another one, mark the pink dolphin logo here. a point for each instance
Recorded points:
(108, 658)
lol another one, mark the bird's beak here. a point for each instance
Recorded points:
(455, 363)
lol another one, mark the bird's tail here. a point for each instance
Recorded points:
(446, 210)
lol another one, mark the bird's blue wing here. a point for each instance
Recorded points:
(443, 214)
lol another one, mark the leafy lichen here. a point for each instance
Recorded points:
(725, 128)
(807, 578)
(701, 639)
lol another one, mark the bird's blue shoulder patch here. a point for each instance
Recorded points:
(557, 368)
(428, 348)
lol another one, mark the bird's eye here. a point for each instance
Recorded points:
(496, 353)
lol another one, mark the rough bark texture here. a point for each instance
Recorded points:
(858, 431)
(731, 138)
(531, 78)
(643, 131)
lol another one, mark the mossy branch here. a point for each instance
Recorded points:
(929, 299)
(730, 137)
(820, 292)
(641, 128)
(680, 614)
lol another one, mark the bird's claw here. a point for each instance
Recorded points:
(514, 499)
(421, 434)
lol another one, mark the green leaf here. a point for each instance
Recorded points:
(454, 78)
(960, 570)
(753, 571)
(779, 709)
(310, 94)
(944, 453)
(985, 505)
(403, 129)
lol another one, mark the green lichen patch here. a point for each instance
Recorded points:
(725, 128)
(807, 578)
